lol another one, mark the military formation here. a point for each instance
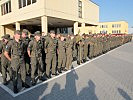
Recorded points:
(41, 56)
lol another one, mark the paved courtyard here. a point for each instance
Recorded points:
(108, 77)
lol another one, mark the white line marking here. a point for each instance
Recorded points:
(15, 95)
(7, 89)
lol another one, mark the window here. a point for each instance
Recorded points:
(80, 9)
(113, 25)
(24, 3)
(20, 4)
(6, 8)
(33, 1)
(28, 2)
(119, 25)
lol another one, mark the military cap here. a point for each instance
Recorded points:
(25, 31)
(17, 32)
(7, 36)
(52, 31)
(38, 33)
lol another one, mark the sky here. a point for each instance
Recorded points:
(116, 10)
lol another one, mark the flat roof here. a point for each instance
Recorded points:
(114, 21)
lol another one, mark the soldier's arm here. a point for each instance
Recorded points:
(46, 44)
(7, 51)
(30, 48)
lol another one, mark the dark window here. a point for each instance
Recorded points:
(80, 9)
(20, 3)
(2, 12)
(6, 8)
(9, 6)
(113, 25)
(24, 3)
(33, 1)
(28, 2)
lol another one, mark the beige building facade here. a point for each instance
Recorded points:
(113, 27)
(117, 27)
(64, 16)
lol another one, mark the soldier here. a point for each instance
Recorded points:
(74, 49)
(50, 50)
(26, 40)
(35, 49)
(5, 63)
(85, 47)
(69, 45)
(79, 44)
(61, 54)
(16, 49)
(91, 46)
(1, 53)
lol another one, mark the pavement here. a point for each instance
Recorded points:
(107, 77)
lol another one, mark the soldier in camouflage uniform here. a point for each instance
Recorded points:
(74, 49)
(35, 49)
(91, 46)
(51, 50)
(69, 45)
(16, 49)
(79, 44)
(26, 40)
(5, 63)
(61, 54)
(85, 47)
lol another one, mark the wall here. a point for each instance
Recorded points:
(28, 12)
(91, 11)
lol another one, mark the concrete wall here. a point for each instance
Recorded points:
(9, 30)
(28, 12)
(65, 9)
(91, 11)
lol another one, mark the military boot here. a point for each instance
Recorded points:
(5, 82)
(41, 78)
(78, 62)
(15, 90)
(33, 82)
(59, 70)
(25, 85)
(64, 69)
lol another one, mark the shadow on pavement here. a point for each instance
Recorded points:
(88, 93)
(70, 91)
(124, 94)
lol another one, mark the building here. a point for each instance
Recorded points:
(107, 28)
(61, 15)
(113, 27)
